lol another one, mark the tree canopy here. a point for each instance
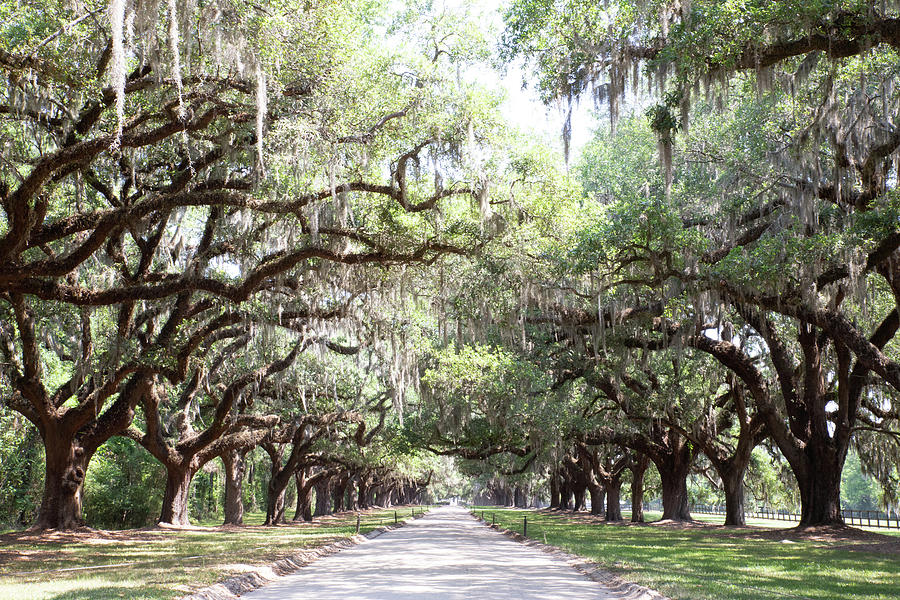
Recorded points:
(303, 237)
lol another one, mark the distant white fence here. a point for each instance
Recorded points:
(861, 518)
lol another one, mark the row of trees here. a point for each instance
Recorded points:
(595, 471)
(205, 209)
(729, 279)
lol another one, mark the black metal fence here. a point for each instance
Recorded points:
(860, 518)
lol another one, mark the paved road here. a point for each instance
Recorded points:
(445, 555)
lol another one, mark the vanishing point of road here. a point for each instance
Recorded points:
(445, 555)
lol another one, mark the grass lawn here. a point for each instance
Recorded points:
(709, 562)
(158, 564)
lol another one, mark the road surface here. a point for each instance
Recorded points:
(445, 555)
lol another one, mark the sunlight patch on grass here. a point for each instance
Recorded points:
(99, 588)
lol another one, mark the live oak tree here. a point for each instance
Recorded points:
(229, 403)
(660, 374)
(302, 437)
(657, 234)
(336, 421)
(149, 175)
(609, 465)
(670, 452)
(86, 214)
(718, 419)
(172, 434)
(761, 407)
(112, 374)
(824, 77)
(482, 401)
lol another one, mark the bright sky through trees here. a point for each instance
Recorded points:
(522, 107)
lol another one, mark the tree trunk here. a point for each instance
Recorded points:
(275, 505)
(64, 469)
(638, 468)
(233, 462)
(596, 492)
(500, 496)
(323, 498)
(384, 496)
(352, 496)
(175, 503)
(613, 507)
(396, 498)
(674, 494)
(275, 492)
(673, 461)
(554, 490)
(565, 495)
(733, 486)
(362, 491)
(339, 493)
(578, 481)
(68, 451)
(580, 494)
(279, 478)
(820, 485)
(304, 498)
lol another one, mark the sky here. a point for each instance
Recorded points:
(523, 108)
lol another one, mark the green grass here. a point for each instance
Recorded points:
(717, 563)
(162, 564)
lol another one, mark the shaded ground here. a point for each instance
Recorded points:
(445, 555)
